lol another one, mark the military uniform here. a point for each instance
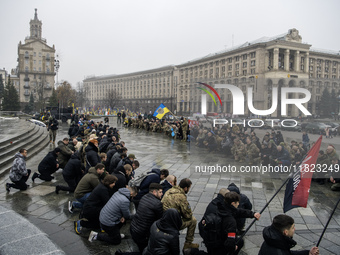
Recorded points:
(239, 152)
(185, 129)
(176, 198)
(253, 153)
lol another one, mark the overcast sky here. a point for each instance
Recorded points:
(116, 37)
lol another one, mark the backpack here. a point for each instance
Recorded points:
(136, 182)
(211, 230)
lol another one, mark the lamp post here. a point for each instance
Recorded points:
(56, 67)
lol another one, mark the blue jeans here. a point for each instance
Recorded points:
(81, 201)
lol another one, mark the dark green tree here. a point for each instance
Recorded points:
(11, 97)
(53, 99)
(326, 103)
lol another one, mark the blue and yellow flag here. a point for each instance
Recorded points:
(161, 111)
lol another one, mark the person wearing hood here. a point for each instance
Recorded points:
(278, 238)
(19, 174)
(48, 166)
(164, 234)
(92, 156)
(113, 215)
(72, 173)
(65, 152)
(86, 185)
(244, 204)
(229, 211)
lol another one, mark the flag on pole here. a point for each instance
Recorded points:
(297, 189)
(161, 111)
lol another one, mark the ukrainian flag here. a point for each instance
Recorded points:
(161, 111)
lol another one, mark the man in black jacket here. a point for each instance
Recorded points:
(244, 204)
(72, 173)
(48, 166)
(94, 203)
(228, 212)
(278, 238)
(149, 210)
(52, 128)
(213, 205)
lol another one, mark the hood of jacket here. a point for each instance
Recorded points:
(156, 171)
(92, 170)
(75, 156)
(125, 192)
(176, 190)
(19, 155)
(91, 147)
(233, 187)
(276, 239)
(61, 143)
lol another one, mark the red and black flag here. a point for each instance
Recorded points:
(297, 189)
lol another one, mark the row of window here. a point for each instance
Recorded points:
(35, 54)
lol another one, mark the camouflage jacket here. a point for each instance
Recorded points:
(252, 150)
(176, 198)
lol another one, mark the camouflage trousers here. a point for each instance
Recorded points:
(191, 226)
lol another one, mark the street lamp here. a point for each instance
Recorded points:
(56, 67)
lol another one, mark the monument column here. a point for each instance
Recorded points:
(276, 59)
(307, 62)
(297, 61)
(286, 60)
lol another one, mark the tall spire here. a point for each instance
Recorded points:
(36, 14)
(35, 26)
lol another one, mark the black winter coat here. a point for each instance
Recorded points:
(144, 186)
(49, 163)
(149, 210)
(73, 167)
(92, 156)
(212, 206)
(166, 186)
(275, 243)
(229, 226)
(122, 180)
(164, 235)
(53, 124)
(96, 201)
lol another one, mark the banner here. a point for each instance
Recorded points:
(297, 189)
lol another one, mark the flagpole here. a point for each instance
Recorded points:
(330, 217)
(289, 176)
(252, 223)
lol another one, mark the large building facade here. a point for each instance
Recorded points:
(35, 71)
(264, 64)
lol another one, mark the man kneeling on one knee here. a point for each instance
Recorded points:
(176, 198)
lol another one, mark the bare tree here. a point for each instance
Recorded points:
(112, 98)
(81, 99)
(65, 94)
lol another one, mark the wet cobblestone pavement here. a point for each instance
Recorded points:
(48, 211)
